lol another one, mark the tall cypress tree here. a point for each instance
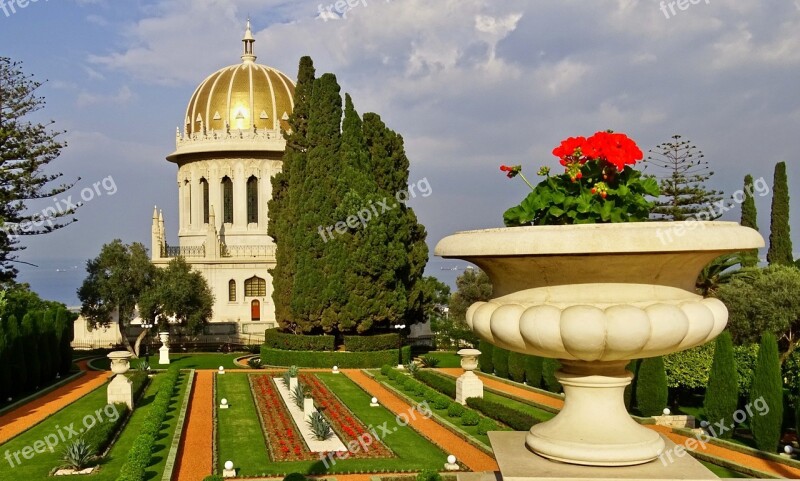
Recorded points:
(30, 352)
(780, 239)
(19, 371)
(767, 389)
(66, 329)
(5, 373)
(315, 207)
(749, 219)
(487, 354)
(651, 387)
(722, 393)
(280, 207)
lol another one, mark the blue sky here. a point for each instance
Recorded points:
(470, 84)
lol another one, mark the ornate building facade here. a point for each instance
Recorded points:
(230, 147)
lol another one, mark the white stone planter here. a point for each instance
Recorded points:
(468, 384)
(595, 296)
(120, 389)
(163, 351)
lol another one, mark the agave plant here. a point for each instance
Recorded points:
(254, 363)
(319, 426)
(77, 454)
(429, 361)
(298, 395)
(286, 378)
(293, 371)
(144, 365)
(412, 368)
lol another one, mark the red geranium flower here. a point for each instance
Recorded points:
(617, 149)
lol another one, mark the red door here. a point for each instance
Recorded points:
(255, 311)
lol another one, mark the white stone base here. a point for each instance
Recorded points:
(292, 384)
(675, 421)
(451, 466)
(223, 406)
(308, 408)
(468, 385)
(517, 463)
(228, 473)
(120, 390)
(374, 404)
(163, 357)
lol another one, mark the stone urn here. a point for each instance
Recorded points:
(163, 336)
(469, 359)
(120, 361)
(595, 296)
(163, 351)
(468, 384)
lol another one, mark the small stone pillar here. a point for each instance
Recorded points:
(164, 349)
(468, 384)
(308, 408)
(120, 389)
(292, 384)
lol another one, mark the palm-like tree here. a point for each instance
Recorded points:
(719, 271)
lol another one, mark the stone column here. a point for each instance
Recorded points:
(120, 389)
(468, 384)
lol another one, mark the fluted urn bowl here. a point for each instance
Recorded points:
(596, 296)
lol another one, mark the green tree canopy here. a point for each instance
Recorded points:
(780, 237)
(26, 149)
(749, 219)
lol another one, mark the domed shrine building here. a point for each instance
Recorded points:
(230, 147)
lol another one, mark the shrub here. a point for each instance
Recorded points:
(295, 477)
(442, 384)
(215, 477)
(254, 363)
(651, 387)
(500, 361)
(319, 426)
(99, 437)
(516, 420)
(392, 374)
(470, 418)
(298, 395)
(278, 357)
(429, 475)
(386, 369)
(77, 454)
(722, 394)
(419, 389)
(409, 384)
(485, 359)
(275, 339)
(430, 395)
(485, 425)
(412, 368)
(549, 380)
(455, 410)
(380, 342)
(442, 402)
(767, 388)
(533, 371)
(516, 366)
(429, 361)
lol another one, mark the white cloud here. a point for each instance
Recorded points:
(123, 96)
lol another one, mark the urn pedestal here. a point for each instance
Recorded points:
(468, 384)
(163, 351)
(596, 296)
(120, 389)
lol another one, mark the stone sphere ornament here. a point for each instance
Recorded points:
(229, 465)
(666, 412)
(451, 459)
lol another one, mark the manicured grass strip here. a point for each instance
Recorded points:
(142, 414)
(185, 361)
(239, 435)
(64, 422)
(446, 358)
(169, 466)
(41, 392)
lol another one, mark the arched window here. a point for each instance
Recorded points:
(255, 287)
(231, 291)
(252, 200)
(227, 200)
(187, 199)
(204, 186)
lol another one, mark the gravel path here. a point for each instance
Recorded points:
(28, 415)
(194, 454)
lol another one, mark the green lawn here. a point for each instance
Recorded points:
(201, 360)
(241, 440)
(723, 472)
(38, 468)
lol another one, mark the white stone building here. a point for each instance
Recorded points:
(230, 147)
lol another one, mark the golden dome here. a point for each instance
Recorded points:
(242, 96)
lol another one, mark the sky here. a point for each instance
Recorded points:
(470, 84)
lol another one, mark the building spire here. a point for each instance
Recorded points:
(248, 40)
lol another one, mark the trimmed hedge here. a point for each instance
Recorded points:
(318, 359)
(533, 371)
(651, 387)
(549, 381)
(470, 418)
(516, 420)
(380, 342)
(442, 384)
(500, 361)
(485, 359)
(275, 339)
(140, 454)
(99, 437)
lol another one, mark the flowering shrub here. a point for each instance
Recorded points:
(598, 185)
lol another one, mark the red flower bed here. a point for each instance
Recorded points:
(343, 421)
(287, 444)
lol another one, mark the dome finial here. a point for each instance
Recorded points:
(248, 40)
